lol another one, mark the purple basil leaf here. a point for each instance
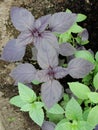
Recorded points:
(25, 38)
(21, 18)
(84, 35)
(44, 22)
(24, 73)
(96, 128)
(60, 72)
(51, 92)
(61, 22)
(42, 76)
(46, 37)
(47, 125)
(78, 67)
(13, 51)
(66, 49)
(47, 56)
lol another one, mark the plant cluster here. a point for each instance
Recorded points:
(57, 107)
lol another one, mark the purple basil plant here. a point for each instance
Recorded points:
(41, 34)
(47, 57)
(35, 32)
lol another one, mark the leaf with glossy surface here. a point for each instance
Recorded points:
(78, 67)
(80, 90)
(73, 110)
(47, 56)
(66, 49)
(93, 116)
(13, 51)
(61, 22)
(37, 115)
(26, 94)
(24, 73)
(47, 125)
(51, 93)
(21, 18)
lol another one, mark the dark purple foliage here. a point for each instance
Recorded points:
(40, 32)
(47, 125)
(66, 49)
(84, 35)
(96, 128)
(51, 89)
(78, 67)
(13, 51)
(35, 31)
(24, 73)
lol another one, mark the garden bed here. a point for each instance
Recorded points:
(10, 117)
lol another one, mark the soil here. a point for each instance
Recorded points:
(11, 117)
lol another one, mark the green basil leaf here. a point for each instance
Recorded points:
(80, 90)
(56, 109)
(73, 110)
(95, 81)
(17, 101)
(37, 115)
(85, 55)
(93, 116)
(26, 94)
(63, 126)
(81, 17)
(93, 96)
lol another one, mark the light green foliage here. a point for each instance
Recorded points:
(35, 82)
(55, 117)
(73, 110)
(65, 100)
(37, 115)
(95, 81)
(81, 17)
(96, 56)
(17, 101)
(63, 126)
(85, 113)
(68, 37)
(84, 125)
(87, 80)
(93, 96)
(56, 109)
(80, 90)
(93, 116)
(85, 55)
(26, 100)
(75, 28)
(26, 94)
(56, 113)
